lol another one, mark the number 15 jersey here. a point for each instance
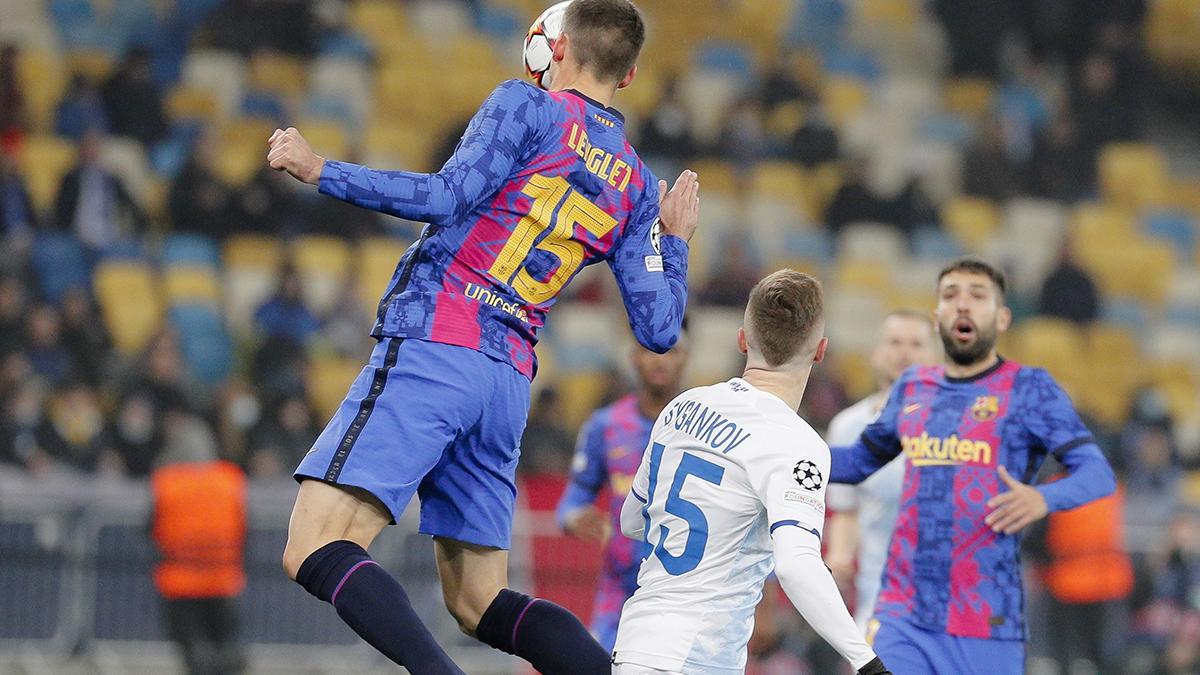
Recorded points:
(727, 465)
(541, 185)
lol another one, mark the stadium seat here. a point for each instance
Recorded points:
(717, 176)
(376, 259)
(191, 284)
(328, 139)
(328, 381)
(1175, 228)
(277, 73)
(192, 103)
(43, 79)
(1175, 344)
(971, 97)
(323, 264)
(264, 105)
(95, 65)
(852, 316)
(190, 249)
(1055, 344)
(1039, 223)
(129, 303)
(345, 79)
(1183, 298)
(708, 94)
(440, 23)
(584, 337)
(1111, 343)
(44, 160)
(713, 333)
(219, 72)
(843, 98)
(851, 63)
(580, 392)
(783, 181)
(1133, 175)
(972, 220)
(931, 242)
(1141, 269)
(730, 57)
(379, 20)
(203, 342)
(59, 264)
(879, 242)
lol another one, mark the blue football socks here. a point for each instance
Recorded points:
(549, 637)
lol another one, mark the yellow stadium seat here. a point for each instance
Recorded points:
(329, 379)
(92, 64)
(1189, 489)
(376, 260)
(866, 275)
(1054, 344)
(44, 160)
(323, 264)
(853, 370)
(129, 303)
(327, 139)
(43, 78)
(969, 96)
(1097, 229)
(379, 20)
(972, 220)
(715, 176)
(1133, 175)
(844, 97)
(278, 73)
(1139, 268)
(413, 146)
(580, 393)
(253, 250)
(191, 283)
(189, 102)
(1111, 343)
(783, 181)
(892, 14)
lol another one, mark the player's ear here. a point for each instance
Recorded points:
(1003, 319)
(743, 346)
(559, 50)
(628, 78)
(820, 355)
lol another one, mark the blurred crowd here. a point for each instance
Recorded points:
(1072, 77)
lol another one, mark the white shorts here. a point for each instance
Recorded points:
(634, 669)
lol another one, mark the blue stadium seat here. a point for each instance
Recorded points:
(331, 108)
(1174, 227)
(204, 342)
(851, 63)
(1125, 312)
(345, 44)
(724, 57)
(190, 249)
(815, 245)
(265, 105)
(931, 242)
(820, 24)
(946, 127)
(60, 263)
(498, 23)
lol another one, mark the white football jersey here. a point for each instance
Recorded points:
(726, 465)
(877, 500)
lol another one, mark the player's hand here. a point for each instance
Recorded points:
(874, 667)
(588, 524)
(288, 151)
(1017, 508)
(679, 209)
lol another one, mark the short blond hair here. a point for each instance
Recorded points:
(785, 309)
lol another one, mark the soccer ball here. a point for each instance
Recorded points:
(539, 43)
(808, 475)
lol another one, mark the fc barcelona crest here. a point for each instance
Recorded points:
(986, 408)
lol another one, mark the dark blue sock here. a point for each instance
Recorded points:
(374, 604)
(542, 633)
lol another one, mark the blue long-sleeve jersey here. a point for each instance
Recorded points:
(947, 571)
(541, 185)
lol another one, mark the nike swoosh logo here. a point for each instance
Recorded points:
(911, 408)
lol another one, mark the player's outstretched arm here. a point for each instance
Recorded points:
(650, 262)
(490, 147)
(877, 445)
(811, 588)
(577, 513)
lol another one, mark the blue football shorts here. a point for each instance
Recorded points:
(438, 420)
(907, 649)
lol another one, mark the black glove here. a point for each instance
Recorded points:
(874, 667)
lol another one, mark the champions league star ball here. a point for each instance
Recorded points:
(539, 43)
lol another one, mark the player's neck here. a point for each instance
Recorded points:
(586, 84)
(651, 403)
(971, 369)
(789, 387)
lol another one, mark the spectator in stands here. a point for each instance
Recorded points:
(44, 345)
(974, 29)
(94, 204)
(201, 572)
(1063, 168)
(546, 445)
(247, 26)
(667, 132)
(780, 86)
(84, 335)
(132, 100)
(815, 141)
(350, 319)
(285, 433)
(743, 136)
(1152, 475)
(734, 275)
(159, 384)
(199, 201)
(1068, 291)
(12, 315)
(284, 317)
(988, 171)
(80, 110)
(265, 204)
(1104, 114)
(857, 201)
(18, 220)
(22, 408)
(1166, 614)
(14, 120)
(74, 433)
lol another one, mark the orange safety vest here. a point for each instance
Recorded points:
(1087, 552)
(200, 529)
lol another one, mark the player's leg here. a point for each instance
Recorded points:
(467, 505)
(975, 656)
(475, 587)
(361, 473)
(901, 647)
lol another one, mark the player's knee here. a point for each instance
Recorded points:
(465, 613)
(293, 557)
